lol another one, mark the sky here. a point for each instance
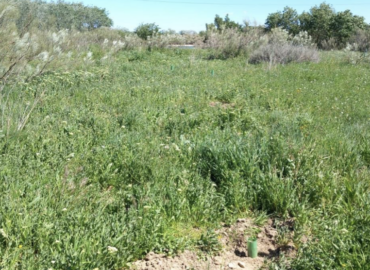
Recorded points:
(194, 14)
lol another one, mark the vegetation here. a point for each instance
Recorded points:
(58, 15)
(112, 146)
(147, 30)
(321, 22)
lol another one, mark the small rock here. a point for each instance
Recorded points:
(241, 264)
(217, 260)
(260, 235)
(242, 220)
(232, 265)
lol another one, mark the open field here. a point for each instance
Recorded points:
(100, 166)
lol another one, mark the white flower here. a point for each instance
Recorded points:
(64, 209)
(53, 262)
(112, 249)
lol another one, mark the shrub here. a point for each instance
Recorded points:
(283, 48)
(232, 43)
(283, 54)
(362, 40)
(147, 30)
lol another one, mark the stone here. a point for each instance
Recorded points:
(232, 265)
(241, 264)
(242, 220)
(217, 260)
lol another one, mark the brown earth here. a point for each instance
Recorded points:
(234, 254)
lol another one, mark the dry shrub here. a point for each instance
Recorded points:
(283, 54)
(328, 44)
(164, 40)
(361, 40)
(283, 48)
(232, 43)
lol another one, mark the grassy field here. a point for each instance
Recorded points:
(100, 166)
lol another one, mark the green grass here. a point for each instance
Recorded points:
(136, 156)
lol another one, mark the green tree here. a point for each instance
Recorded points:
(77, 16)
(147, 30)
(318, 22)
(59, 15)
(287, 19)
(222, 24)
(344, 25)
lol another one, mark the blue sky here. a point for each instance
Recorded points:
(194, 14)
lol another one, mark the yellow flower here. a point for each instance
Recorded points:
(20, 246)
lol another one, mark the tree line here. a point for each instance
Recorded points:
(322, 23)
(328, 29)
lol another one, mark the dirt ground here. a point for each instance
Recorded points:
(234, 254)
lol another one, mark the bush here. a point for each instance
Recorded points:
(232, 43)
(283, 54)
(147, 30)
(361, 39)
(283, 48)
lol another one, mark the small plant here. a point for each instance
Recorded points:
(260, 218)
(209, 243)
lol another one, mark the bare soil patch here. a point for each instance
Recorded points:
(234, 254)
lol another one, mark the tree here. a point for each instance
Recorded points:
(77, 16)
(318, 22)
(147, 30)
(222, 24)
(344, 25)
(287, 19)
(322, 23)
(59, 15)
